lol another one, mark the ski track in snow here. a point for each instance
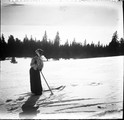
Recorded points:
(89, 88)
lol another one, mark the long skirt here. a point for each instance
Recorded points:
(35, 82)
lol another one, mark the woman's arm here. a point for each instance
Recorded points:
(33, 64)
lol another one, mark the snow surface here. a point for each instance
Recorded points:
(93, 88)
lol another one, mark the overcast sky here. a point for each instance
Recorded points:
(94, 21)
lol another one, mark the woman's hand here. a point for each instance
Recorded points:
(35, 67)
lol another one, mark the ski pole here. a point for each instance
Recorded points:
(47, 83)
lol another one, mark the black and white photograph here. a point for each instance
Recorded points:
(61, 59)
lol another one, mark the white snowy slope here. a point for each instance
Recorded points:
(90, 88)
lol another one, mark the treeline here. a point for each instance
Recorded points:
(15, 47)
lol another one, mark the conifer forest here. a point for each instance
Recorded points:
(14, 47)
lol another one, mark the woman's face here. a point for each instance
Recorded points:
(38, 53)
